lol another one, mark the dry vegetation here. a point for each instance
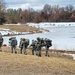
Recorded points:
(20, 28)
(20, 64)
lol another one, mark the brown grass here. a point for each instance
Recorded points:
(20, 28)
(20, 64)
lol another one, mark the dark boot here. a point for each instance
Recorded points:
(12, 51)
(25, 53)
(39, 55)
(32, 52)
(45, 55)
(0, 50)
(15, 52)
(48, 55)
(20, 51)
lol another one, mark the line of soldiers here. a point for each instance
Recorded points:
(36, 45)
(24, 43)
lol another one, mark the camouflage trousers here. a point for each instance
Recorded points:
(0, 46)
(38, 52)
(13, 48)
(24, 50)
(34, 50)
(47, 51)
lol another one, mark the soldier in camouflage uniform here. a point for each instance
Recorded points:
(39, 49)
(39, 45)
(1, 41)
(48, 44)
(34, 46)
(13, 44)
(23, 45)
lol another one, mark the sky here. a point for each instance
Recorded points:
(36, 4)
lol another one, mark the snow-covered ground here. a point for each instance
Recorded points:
(51, 24)
(73, 55)
(10, 32)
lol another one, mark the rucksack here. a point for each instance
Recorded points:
(0, 35)
(1, 39)
(33, 43)
(13, 42)
(27, 42)
(42, 40)
(50, 42)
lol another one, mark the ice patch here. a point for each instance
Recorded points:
(73, 55)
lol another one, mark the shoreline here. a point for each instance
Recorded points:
(10, 31)
(52, 52)
(19, 34)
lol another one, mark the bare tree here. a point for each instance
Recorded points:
(69, 8)
(2, 10)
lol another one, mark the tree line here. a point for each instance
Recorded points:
(47, 14)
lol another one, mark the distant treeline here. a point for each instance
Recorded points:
(47, 14)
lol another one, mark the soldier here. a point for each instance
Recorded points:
(34, 46)
(10, 41)
(1, 41)
(48, 44)
(38, 39)
(39, 49)
(23, 45)
(13, 44)
(39, 45)
(27, 42)
(43, 43)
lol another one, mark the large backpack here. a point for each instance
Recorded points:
(1, 39)
(33, 43)
(27, 42)
(42, 40)
(13, 42)
(0, 35)
(50, 42)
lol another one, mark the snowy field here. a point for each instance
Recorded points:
(51, 24)
(7, 32)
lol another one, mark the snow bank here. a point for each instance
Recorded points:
(10, 32)
(50, 24)
(73, 55)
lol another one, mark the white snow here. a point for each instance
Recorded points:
(51, 24)
(73, 55)
(8, 31)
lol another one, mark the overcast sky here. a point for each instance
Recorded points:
(36, 4)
